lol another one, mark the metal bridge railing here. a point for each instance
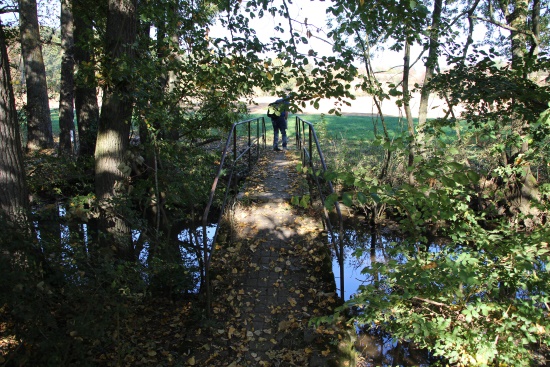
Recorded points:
(312, 157)
(255, 136)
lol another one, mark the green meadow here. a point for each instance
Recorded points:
(354, 129)
(55, 121)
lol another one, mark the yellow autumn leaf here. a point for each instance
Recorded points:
(191, 361)
(292, 301)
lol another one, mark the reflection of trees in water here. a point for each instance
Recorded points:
(378, 348)
(363, 248)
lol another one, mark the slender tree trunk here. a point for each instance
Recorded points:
(14, 199)
(375, 86)
(407, 107)
(66, 95)
(535, 28)
(39, 123)
(87, 109)
(114, 127)
(431, 63)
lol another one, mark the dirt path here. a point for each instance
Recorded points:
(273, 277)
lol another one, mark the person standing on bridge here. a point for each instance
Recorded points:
(278, 112)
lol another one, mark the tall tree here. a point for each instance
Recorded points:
(14, 200)
(430, 67)
(39, 123)
(66, 94)
(516, 14)
(114, 125)
(87, 108)
(407, 108)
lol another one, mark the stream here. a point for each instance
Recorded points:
(376, 348)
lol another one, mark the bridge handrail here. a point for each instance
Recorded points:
(259, 141)
(306, 145)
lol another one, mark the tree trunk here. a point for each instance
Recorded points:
(87, 109)
(114, 127)
(431, 63)
(66, 95)
(14, 199)
(407, 107)
(517, 20)
(528, 190)
(535, 28)
(39, 123)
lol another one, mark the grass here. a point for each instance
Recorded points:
(54, 112)
(353, 129)
(357, 128)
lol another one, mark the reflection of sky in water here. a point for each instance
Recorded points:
(72, 247)
(356, 242)
(187, 235)
(359, 254)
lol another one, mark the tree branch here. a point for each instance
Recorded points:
(9, 9)
(432, 302)
(501, 25)
(509, 28)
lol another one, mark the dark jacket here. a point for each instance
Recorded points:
(278, 112)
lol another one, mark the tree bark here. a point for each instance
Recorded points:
(431, 63)
(523, 195)
(39, 123)
(407, 107)
(114, 127)
(66, 95)
(87, 108)
(14, 199)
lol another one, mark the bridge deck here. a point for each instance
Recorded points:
(271, 273)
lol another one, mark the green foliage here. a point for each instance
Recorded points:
(479, 298)
(454, 301)
(52, 177)
(487, 90)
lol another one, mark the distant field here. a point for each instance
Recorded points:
(55, 121)
(354, 129)
(357, 128)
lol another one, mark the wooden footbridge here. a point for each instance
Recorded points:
(268, 268)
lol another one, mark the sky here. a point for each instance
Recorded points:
(315, 13)
(312, 10)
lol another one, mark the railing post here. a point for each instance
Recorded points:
(310, 147)
(249, 145)
(297, 132)
(235, 145)
(258, 137)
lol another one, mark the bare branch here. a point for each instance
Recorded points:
(431, 302)
(9, 9)
(501, 25)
